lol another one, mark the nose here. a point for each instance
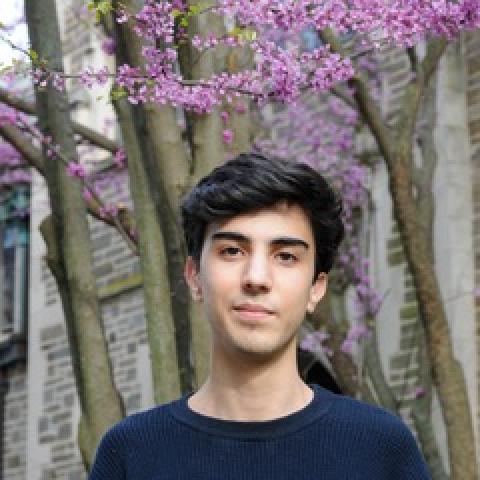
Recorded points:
(257, 275)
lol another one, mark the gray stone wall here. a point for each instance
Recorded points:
(54, 416)
(14, 424)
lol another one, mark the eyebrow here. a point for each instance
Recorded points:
(277, 242)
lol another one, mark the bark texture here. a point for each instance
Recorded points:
(67, 234)
(165, 164)
(396, 146)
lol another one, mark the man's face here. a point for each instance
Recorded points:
(255, 279)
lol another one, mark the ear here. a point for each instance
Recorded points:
(191, 277)
(317, 291)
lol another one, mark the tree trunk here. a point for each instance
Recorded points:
(447, 372)
(207, 150)
(396, 146)
(331, 314)
(165, 167)
(153, 258)
(69, 236)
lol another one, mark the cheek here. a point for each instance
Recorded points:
(294, 289)
(218, 281)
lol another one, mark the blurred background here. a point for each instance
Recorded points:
(96, 321)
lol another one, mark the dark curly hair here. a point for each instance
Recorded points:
(252, 181)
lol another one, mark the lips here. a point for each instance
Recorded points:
(247, 307)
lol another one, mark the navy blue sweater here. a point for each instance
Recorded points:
(333, 437)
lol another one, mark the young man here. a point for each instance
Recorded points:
(261, 237)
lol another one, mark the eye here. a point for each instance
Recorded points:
(230, 251)
(288, 257)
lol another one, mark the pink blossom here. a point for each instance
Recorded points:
(87, 194)
(122, 16)
(120, 158)
(314, 341)
(76, 170)
(8, 116)
(240, 107)
(347, 346)
(9, 156)
(419, 392)
(109, 210)
(58, 82)
(224, 116)
(227, 136)
(358, 332)
(109, 46)
(19, 175)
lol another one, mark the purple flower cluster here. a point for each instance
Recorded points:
(155, 21)
(368, 300)
(9, 156)
(8, 115)
(211, 41)
(18, 175)
(312, 342)
(282, 70)
(89, 76)
(354, 336)
(76, 170)
(120, 158)
(321, 134)
(399, 21)
(163, 86)
(109, 46)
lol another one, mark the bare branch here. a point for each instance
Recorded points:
(87, 133)
(365, 103)
(29, 152)
(415, 91)
(342, 95)
(125, 221)
(435, 49)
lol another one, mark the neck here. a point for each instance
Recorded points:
(243, 388)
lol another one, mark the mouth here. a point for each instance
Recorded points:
(253, 308)
(253, 312)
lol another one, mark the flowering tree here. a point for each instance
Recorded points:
(321, 131)
(209, 60)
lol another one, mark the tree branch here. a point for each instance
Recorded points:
(365, 103)
(87, 133)
(414, 92)
(342, 95)
(435, 49)
(29, 152)
(35, 158)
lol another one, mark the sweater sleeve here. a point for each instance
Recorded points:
(108, 463)
(406, 460)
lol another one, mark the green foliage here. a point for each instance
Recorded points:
(101, 7)
(117, 92)
(33, 55)
(244, 33)
(182, 17)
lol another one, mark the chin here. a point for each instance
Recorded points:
(261, 349)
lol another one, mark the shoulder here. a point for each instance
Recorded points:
(139, 421)
(134, 428)
(371, 420)
(379, 435)
(131, 434)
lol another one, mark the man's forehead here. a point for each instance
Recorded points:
(266, 224)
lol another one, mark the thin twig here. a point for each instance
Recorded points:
(89, 186)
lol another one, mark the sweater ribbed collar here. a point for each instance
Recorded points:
(262, 429)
